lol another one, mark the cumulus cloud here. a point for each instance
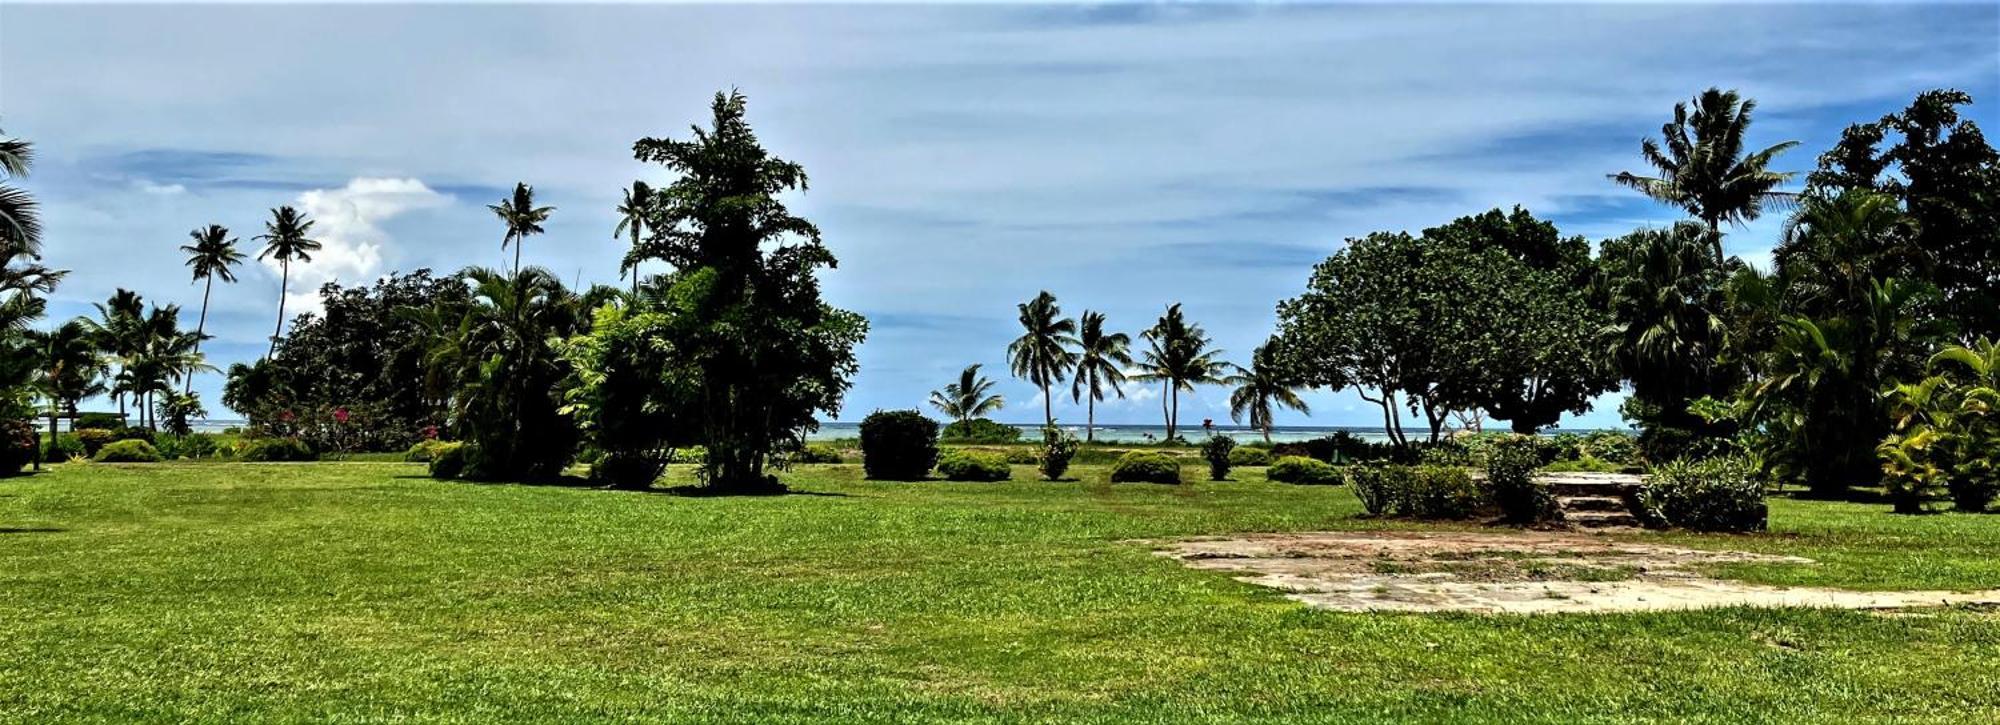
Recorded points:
(345, 221)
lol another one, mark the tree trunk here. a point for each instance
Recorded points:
(1267, 434)
(517, 257)
(284, 282)
(187, 385)
(1048, 407)
(1174, 418)
(1090, 419)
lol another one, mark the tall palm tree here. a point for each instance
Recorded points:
(211, 255)
(1259, 390)
(522, 217)
(285, 240)
(969, 398)
(1667, 300)
(23, 280)
(1703, 168)
(632, 219)
(1042, 353)
(69, 369)
(1101, 360)
(1178, 356)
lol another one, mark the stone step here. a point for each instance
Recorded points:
(1586, 489)
(1591, 503)
(1600, 519)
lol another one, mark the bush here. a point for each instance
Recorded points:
(817, 453)
(622, 470)
(424, 451)
(67, 446)
(1341, 447)
(94, 439)
(1018, 455)
(1058, 448)
(1146, 467)
(127, 451)
(1302, 470)
(1713, 494)
(190, 446)
(1660, 443)
(1510, 481)
(689, 454)
(979, 430)
(448, 460)
(1216, 451)
(898, 445)
(1246, 456)
(962, 465)
(1379, 487)
(1423, 492)
(275, 450)
(18, 441)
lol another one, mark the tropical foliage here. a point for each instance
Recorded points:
(1042, 355)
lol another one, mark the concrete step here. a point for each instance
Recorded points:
(1586, 489)
(1600, 519)
(1591, 503)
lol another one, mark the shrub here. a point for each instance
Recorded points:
(1441, 492)
(963, 465)
(1216, 451)
(1510, 481)
(689, 454)
(1058, 448)
(627, 471)
(1019, 455)
(1379, 487)
(1246, 456)
(94, 439)
(979, 430)
(1302, 470)
(1341, 447)
(1146, 467)
(18, 441)
(127, 451)
(424, 451)
(190, 446)
(275, 450)
(1611, 447)
(898, 445)
(817, 453)
(1714, 494)
(67, 446)
(105, 421)
(448, 460)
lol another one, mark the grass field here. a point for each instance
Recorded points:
(364, 591)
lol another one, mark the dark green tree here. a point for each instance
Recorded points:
(764, 353)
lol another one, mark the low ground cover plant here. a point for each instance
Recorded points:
(1249, 456)
(127, 451)
(965, 465)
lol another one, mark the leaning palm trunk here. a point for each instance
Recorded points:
(187, 384)
(284, 283)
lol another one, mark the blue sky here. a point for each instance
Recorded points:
(962, 158)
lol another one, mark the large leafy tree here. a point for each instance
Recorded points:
(1526, 317)
(1261, 390)
(762, 352)
(361, 358)
(1704, 168)
(522, 217)
(1102, 358)
(211, 255)
(285, 240)
(630, 390)
(1668, 330)
(1044, 353)
(970, 397)
(1179, 356)
(1938, 167)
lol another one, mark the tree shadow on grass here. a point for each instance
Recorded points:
(30, 530)
(690, 491)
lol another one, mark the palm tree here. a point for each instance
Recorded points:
(178, 409)
(522, 217)
(968, 398)
(1703, 168)
(1666, 295)
(1042, 353)
(1101, 360)
(285, 240)
(632, 218)
(118, 336)
(69, 369)
(1179, 357)
(1260, 389)
(20, 219)
(211, 255)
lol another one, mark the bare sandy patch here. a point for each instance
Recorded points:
(1513, 573)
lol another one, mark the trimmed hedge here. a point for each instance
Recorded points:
(974, 466)
(448, 460)
(817, 453)
(1303, 470)
(1715, 494)
(127, 451)
(424, 450)
(898, 445)
(1146, 467)
(1423, 492)
(1249, 457)
(275, 450)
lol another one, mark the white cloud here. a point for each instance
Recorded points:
(159, 189)
(345, 223)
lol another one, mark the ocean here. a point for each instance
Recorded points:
(1114, 433)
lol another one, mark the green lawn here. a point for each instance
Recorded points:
(363, 591)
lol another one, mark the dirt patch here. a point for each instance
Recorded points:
(1522, 573)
